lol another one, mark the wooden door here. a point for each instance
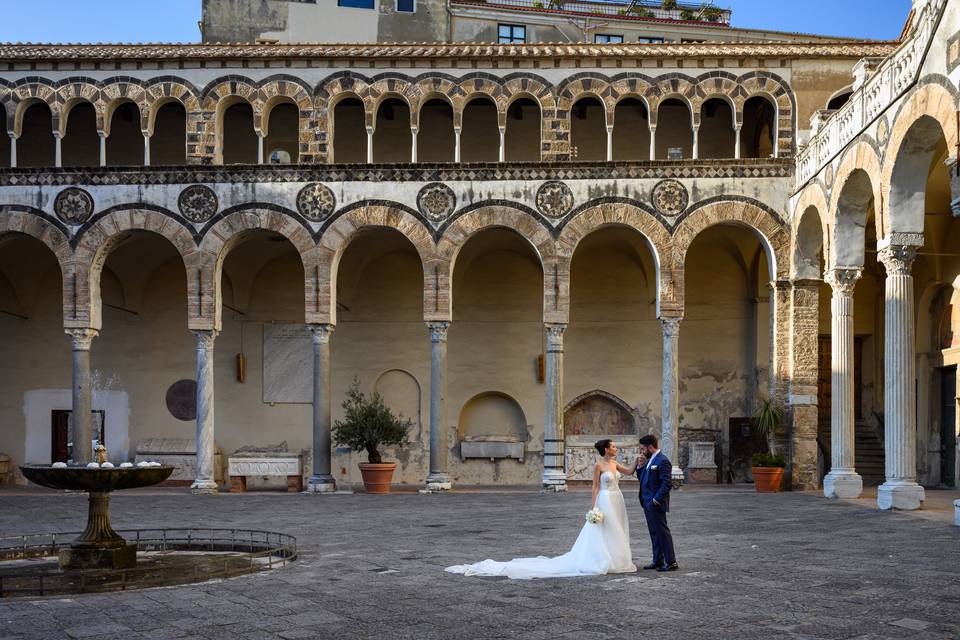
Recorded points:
(60, 436)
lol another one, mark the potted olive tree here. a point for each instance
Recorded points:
(768, 467)
(367, 425)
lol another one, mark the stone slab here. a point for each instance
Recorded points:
(491, 450)
(287, 364)
(264, 466)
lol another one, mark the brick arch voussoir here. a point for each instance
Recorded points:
(343, 230)
(32, 225)
(861, 156)
(814, 196)
(469, 224)
(614, 214)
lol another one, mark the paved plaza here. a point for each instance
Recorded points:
(752, 566)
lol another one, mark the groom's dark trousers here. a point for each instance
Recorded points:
(655, 498)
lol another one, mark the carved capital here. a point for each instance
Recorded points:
(843, 279)
(897, 259)
(82, 338)
(554, 335)
(205, 338)
(320, 333)
(671, 326)
(438, 331)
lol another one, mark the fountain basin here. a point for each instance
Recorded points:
(99, 546)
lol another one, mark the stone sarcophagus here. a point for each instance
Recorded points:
(581, 455)
(702, 468)
(265, 466)
(491, 447)
(180, 453)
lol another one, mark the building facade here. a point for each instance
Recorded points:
(522, 248)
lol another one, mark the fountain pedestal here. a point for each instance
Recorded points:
(99, 546)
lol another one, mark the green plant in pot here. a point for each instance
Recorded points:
(768, 468)
(368, 423)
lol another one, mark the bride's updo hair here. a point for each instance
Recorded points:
(602, 445)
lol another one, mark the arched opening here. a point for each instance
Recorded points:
(168, 143)
(238, 139)
(380, 328)
(435, 137)
(144, 346)
(36, 353)
(4, 140)
(349, 144)
(522, 134)
(282, 143)
(492, 415)
(80, 146)
(480, 135)
(612, 342)
(125, 142)
(808, 246)
(839, 99)
(392, 138)
(631, 130)
(725, 341)
(674, 134)
(36, 146)
(717, 136)
(588, 130)
(759, 128)
(495, 340)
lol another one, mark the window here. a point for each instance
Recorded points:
(512, 33)
(643, 40)
(406, 6)
(606, 38)
(356, 4)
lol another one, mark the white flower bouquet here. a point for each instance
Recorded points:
(594, 516)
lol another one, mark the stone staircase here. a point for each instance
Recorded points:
(868, 454)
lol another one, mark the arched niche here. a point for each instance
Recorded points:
(593, 416)
(401, 393)
(492, 425)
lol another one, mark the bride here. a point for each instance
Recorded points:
(600, 548)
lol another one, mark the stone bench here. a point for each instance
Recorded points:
(271, 465)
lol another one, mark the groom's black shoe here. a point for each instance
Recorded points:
(652, 565)
(668, 567)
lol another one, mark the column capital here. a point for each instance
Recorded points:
(671, 326)
(82, 338)
(843, 279)
(780, 285)
(554, 335)
(205, 338)
(897, 259)
(438, 331)
(320, 333)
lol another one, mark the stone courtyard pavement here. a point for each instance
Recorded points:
(752, 566)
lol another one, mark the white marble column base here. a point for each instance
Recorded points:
(438, 482)
(554, 481)
(842, 484)
(204, 487)
(956, 512)
(321, 485)
(907, 496)
(677, 479)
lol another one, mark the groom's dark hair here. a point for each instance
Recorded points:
(649, 440)
(602, 445)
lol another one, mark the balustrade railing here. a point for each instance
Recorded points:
(892, 77)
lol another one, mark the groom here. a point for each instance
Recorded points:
(654, 471)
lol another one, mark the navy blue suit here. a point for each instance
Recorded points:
(655, 485)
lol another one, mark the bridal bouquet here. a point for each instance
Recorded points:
(594, 516)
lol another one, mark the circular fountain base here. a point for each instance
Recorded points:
(77, 557)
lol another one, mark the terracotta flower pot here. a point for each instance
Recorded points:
(377, 477)
(767, 479)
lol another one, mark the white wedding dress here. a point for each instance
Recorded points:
(599, 549)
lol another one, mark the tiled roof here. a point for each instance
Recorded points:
(79, 52)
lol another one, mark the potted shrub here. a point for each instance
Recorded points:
(768, 467)
(367, 425)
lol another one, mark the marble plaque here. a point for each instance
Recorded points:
(287, 363)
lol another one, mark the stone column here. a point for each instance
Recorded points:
(503, 143)
(369, 145)
(13, 151)
(146, 149)
(57, 154)
(736, 142)
(843, 481)
(206, 445)
(456, 144)
(554, 474)
(653, 142)
(82, 395)
(901, 490)
(321, 480)
(103, 148)
(670, 419)
(804, 370)
(696, 142)
(438, 479)
(259, 148)
(413, 144)
(609, 144)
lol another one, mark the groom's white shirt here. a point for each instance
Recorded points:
(652, 458)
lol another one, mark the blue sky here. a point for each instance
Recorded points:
(176, 20)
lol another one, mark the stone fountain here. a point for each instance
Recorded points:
(99, 546)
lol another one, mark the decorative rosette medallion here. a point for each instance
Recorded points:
(316, 202)
(554, 199)
(198, 203)
(436, 201)
(73, 205)
(669, 197)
